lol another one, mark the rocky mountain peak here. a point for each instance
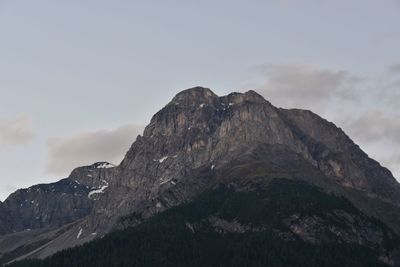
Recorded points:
(200, 140)
(193, 95)
(94, 175)
(201, 108)
(205, 96)
(249, 96)
(199, 129)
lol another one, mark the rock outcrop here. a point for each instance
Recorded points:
(197, 141)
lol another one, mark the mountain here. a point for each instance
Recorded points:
(227, 227)
(236, 152)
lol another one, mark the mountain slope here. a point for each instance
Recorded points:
(281, 223)
(40, 214)
(200, 140)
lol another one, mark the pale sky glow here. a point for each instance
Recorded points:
(73, 71)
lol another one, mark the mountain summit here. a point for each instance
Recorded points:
(200, 143)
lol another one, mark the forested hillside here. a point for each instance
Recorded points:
(276, 225)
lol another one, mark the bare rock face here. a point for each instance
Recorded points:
(56, 204)
(199, 132)
(195, 142)
(50, 205)
(337, 156)
(4, 219)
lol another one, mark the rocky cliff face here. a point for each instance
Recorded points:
(199, 132)
(51, 205)
(195, 142)
(4, 219)
(56, 204)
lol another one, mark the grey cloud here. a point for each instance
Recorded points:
(394, 69)
(378, 133)
(88, 147)
(303, 86)
(6, 189)
(393, 162)
(388, 92)
(375, 125)
(15, 131)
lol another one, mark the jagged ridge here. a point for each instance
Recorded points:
(199, 139)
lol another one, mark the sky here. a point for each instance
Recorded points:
(79, 80)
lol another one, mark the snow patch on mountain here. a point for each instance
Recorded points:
(99, 190)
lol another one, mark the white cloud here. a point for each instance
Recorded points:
(85, 148)
(15, 131)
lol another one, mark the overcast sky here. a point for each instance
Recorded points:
(80, 79)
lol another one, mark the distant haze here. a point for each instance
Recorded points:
(79, 80)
